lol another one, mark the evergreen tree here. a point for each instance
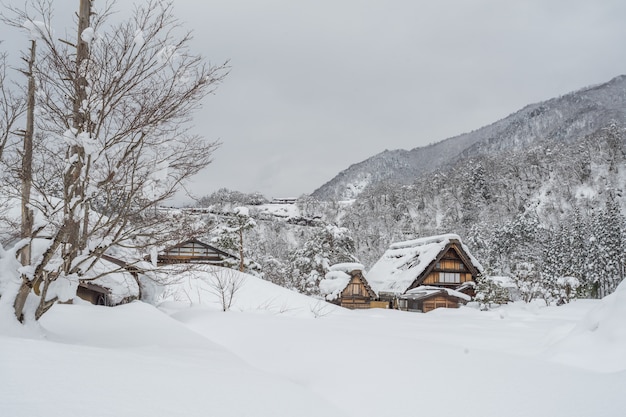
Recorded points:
(231, 236)
(309, 263)
(606, 252)
(490, 293)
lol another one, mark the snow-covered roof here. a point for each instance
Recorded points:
(405, 261)
(347, 267)
(120, 283)
(426, 291)
(333, 283)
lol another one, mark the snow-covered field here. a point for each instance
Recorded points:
(278, 353)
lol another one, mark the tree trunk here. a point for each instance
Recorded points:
(74, 192)
(27, 179)
(241, 266)
(27, 159)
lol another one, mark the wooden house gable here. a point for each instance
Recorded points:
(451, 267)
(357, 294)
(358, 287)
(193, 251)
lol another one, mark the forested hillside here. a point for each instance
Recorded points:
(548, 211)
(537, 196)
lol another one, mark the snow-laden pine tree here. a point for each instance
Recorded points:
(606, 258)
(490, 293)
(312, 260)
(231, 236)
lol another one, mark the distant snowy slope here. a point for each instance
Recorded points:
(598, 341)
(199, 287)
(566, 118)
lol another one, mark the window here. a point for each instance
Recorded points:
(450, 264)
(450, 277)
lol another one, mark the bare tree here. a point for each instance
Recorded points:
(225, 283)
(12, 108)
(114, 113)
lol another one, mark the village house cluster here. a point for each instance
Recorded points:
(416, 275)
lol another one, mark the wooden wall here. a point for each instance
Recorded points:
(355, 288)
(355, 295)
(355, 303)
(93, 296)
(379, 304)
(437, 302)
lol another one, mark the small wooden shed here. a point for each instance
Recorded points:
(345, 285)
(110, 282)
(95, 294)
(358, 293)
(427, 298)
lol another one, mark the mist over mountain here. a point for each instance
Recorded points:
(563, 119)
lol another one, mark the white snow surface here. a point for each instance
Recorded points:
(279, 210)
(191, 359)
(242, 211)
(194, 285)
(602, 331)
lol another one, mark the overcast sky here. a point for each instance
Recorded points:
(316, 86)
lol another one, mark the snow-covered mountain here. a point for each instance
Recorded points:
(564, 119)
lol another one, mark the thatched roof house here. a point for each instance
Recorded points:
(442, 262)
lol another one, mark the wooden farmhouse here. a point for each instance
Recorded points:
(424, 274)
(194, 251)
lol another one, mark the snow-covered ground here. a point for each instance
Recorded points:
(277, 353)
